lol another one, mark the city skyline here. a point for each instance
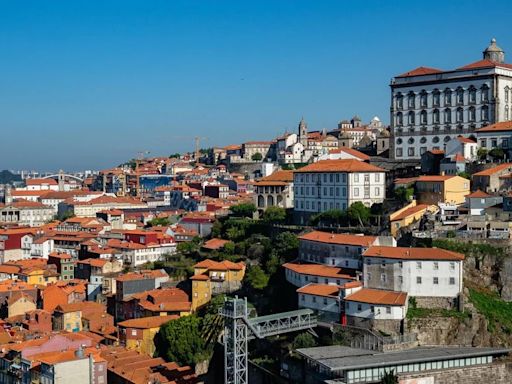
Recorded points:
(88, 86)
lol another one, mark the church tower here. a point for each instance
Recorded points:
(494, 53)
(303, 133)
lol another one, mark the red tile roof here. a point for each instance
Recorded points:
(339, 238)
(503, 126)
(344, 165)
(325, 290)
(412, 253)
(420, 71)
(434, 178)
(147, 322)
(351, 151)
(215, 244)
(318, 270)
(378, 296)
(484, 64)
(478, 194)
(411, 211)
(493, 170)
(467, 140)
(220, 265)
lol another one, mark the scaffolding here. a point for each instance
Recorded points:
(239, 328)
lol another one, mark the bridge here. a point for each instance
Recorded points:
(239, 328)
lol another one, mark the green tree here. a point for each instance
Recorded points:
(256, 277)
(189, 247)
(257, 157)
(465, 175)
(389, 378)
(181, 341)
(304, 340)
(404, 194)
(497, 153)
(358, 213)
(273, 263)
(229, 248)
(286, 245)
(482, 153)
(243, 210)
(159, 221)
(274, 215)
(217, 229)
(175, 156)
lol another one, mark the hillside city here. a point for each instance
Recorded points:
(359, 253)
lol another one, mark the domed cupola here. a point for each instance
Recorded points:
(494, 53)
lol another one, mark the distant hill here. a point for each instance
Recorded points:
(7, 177)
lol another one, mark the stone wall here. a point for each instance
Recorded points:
(392, 327)
(496, 373)
(436, 302)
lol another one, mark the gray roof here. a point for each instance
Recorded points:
(339, 358)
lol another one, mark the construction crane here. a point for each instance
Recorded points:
(141, 155)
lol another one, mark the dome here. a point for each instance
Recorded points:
(494, 53)
(375, 118)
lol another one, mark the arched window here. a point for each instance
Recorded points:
(472, 94)
(506, 113)
(448, 116)
(423, 117)
(485, 93)
(411, 100)
(399, 141)
(435, 139)
(485, 113)
(411, 140)
(399, 119)
(423, 99)
(447, 96)
(435, 116)
(506, 94)
(411, 118)
(460, 95)
(436, 98)
(460, 115)
(472, 114)
(423, 140)
(399, 100)
(447, 139)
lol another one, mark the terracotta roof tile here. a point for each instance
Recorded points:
(320, 290)
(411, 211)
(478, 194)
(318, 270)
(378, 296)
(493, 170)
(412, 253)
(345, 165)
(147, 322)
(339, 238)
(420, 71)
(502, 126)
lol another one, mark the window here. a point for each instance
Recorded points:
(447, 116)
(483, 143)
(377, 191)
(400, 279)
(410, 151)
(506, 94)
(423, 99)
(418, 265)
(485, 93)
(472, 114)
(423, 117)
(418, 279)
(359, 307)
(399, 152)
(494, 143)
(356, 177)
(436, 97)
(383, 277)
(436, 265)
(436, 280)
(447, 139)
(134, 332)
(472, 94)
(325, 301)
(388, 310)
(400, 264)
(423, 140)
(452, 280)
(411, 100)
(399, 101)
(435, 116)
(372, 309)
(504, 143)
(356, 191)
(314, 299)
(411, 118)
(377, 177)
(448, 96)
(460, 115)
(399, 141)
(506, 113)
(452, 265)
(460, 96)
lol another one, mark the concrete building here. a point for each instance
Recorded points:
(430, 107)
(300, 274)
(495, 179)
(275, 190)
(498, 135)
(441, 189)
(336, 184)
(433, 276)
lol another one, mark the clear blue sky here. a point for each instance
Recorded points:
(87, 84)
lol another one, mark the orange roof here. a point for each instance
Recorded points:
(459, 158)
(344, 165)
(320, 290)
(412, 253)
(351, 151)
(420, 71)
(215, 244)
(36, 181)
(437, 151)
(434, 178)
(502, 126)
(60, 255)
(485, 63)
(478, 194)
(286, 176)
(467, 140)
(143, 274)
(378, 296)
(411, 211)
(15, 285)
(339, 238)
(220, 265)
(317, 270)
(147, 322)
(493, 170)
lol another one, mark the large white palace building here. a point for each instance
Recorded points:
(429, 106)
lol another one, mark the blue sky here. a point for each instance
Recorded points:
(87, 84)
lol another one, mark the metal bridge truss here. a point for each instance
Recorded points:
(239, 328)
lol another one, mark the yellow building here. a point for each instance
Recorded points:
(139, 334)
(441, 189)
(68, 317)
(19, 304)
(408, 215)
(214, 277)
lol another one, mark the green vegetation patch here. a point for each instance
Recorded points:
(497, 311)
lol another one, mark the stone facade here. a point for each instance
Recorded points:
(392, 327)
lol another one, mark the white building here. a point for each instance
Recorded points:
(275, 190)
(375, 304)
(430, 107)
(136, 254)
(497, 135)
(326, 298)
(461, 145)
(421, 272)
(336, 250)
(303, 274)
(336, 184)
